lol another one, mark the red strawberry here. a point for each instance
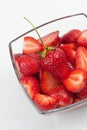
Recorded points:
(47, 81)
(62, 95)
(16, 56)
(27, 64)
(51, 39)
(45, 102)
(76, 100)
(31, 45)
(71, 36)
(83, 94)
(81, 58)
(31, 85)
(82, 39)
(76, 80)
(70, 51)
(57, 63)
(70, 45)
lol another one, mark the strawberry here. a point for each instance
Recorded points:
(57, 63)
(16, 56)
(81, 58)
(47, 81)
(51, 39)
(83, 94)
(62, 95)
(76, 80)
(71, 36)
(31, 85)
(31, 45)
(70, 45)
(82, 39)
(70, 51)
(76, 100)
(27, 64)
(45, 102)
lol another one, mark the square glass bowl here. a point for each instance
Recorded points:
(63, 24)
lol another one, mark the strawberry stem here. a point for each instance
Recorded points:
(43, 53)
(51, 48)
(34, 29)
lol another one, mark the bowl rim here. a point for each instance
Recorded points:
(11, 56)
(54, 20)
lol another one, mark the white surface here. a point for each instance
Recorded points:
(16, 112)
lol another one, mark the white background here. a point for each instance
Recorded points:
(16, 111)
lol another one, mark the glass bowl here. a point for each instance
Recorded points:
(63, 24)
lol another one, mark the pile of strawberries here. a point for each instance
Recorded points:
(53, 69)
